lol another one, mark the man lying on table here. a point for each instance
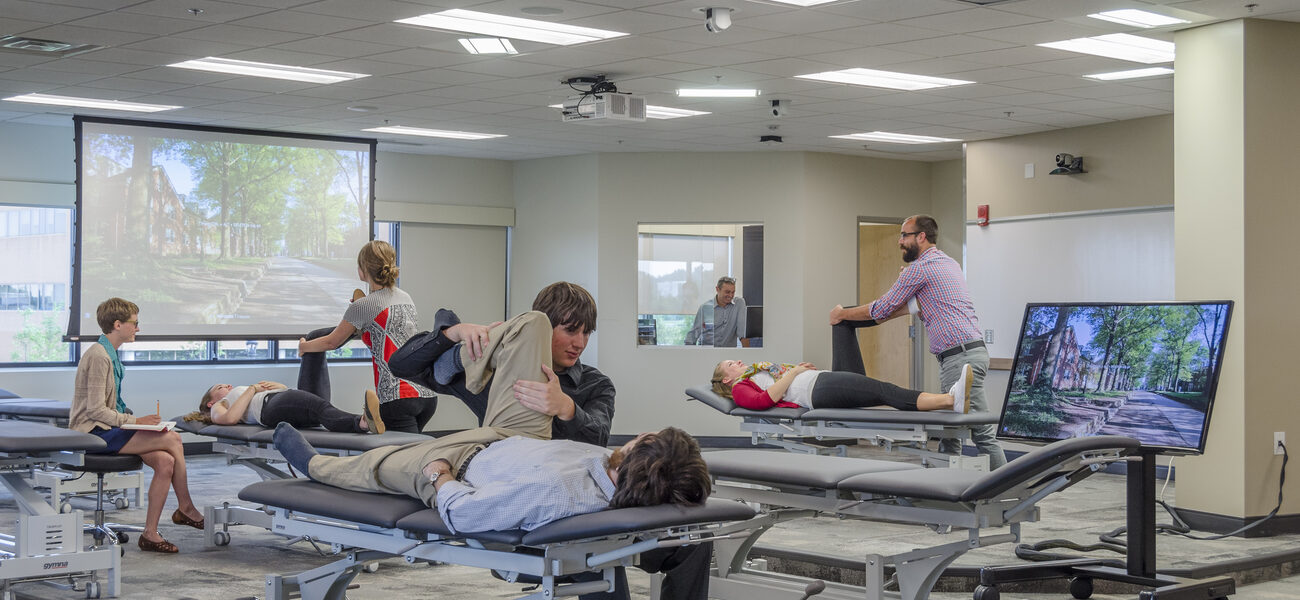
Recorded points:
(509, 474)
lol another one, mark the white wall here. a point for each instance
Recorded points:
(810, 244)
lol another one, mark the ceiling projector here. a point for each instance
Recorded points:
(604, 109)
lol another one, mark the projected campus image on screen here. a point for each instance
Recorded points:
(218, 233)
(1147, 371)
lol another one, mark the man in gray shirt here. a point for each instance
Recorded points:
(720, 322)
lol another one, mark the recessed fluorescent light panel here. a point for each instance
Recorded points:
(885, 79)
(90, 103)
(488, 46)
(717, 93)
(895, 138)
(1137, 18)
(272, 71)
(439, 133)
(805, 3)
(510, 27)
(1119, 45)
(1131, 74)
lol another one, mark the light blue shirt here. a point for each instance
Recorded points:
(523, 483)
(718, 326)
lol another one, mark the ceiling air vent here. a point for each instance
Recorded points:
(51, 48)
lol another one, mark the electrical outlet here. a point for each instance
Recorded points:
(988, 336)
(1279, 440)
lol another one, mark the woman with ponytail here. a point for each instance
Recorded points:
(386, 318)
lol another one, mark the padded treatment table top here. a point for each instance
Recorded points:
(956, 485)
(35, 407)
(21, 436)
(846, 415)
(801, 470)
(387, 510)
(317, 437)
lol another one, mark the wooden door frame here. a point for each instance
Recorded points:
(918, 356)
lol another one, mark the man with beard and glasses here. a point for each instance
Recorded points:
(934, 283)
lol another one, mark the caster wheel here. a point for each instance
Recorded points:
(221, 538)
(1081, 587)
(92, 589)
(65, 507)
(121, 503)
(371, 567)
(987, 592)
(122, 537)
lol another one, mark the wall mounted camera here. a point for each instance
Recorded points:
(1068, 164)
(779, 108)
(717, 19)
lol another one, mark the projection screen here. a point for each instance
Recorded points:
(218, 233)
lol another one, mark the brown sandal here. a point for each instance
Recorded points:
(181, 518)
(158, 546)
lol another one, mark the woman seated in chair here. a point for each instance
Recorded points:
(268, 404)
(760, 386)
(99, 409)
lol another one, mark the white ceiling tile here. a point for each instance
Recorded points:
(966, 21)
(138, 23)
(131, 84)
(302, 22)
(333, 46)
(181, 47)
(240, 35)
(73, 34)
(212, 11)
(43, 12)
(948, 45)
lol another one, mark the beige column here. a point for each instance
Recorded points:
(1237, 207)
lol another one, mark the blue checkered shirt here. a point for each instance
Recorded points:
(523, 483)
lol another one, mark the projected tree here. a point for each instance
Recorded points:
(209, 230)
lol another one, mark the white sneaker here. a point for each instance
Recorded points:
(961, 390)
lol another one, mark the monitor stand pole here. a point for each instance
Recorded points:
(1140, 567)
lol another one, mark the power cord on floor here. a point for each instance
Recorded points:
(1112, 540)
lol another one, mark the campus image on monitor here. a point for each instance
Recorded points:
(1143, 370)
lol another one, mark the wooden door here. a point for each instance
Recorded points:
(887, 349)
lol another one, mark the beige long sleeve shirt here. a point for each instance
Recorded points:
(94, 399)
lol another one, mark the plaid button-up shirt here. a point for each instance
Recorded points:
(937, 283)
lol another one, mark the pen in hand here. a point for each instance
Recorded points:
(158, 408)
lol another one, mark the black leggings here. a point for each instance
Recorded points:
(847, 385)
(403, 414)
(302, 408)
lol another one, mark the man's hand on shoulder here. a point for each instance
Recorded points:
(546, 398)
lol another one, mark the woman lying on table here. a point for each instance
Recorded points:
(268, 404)
(760, 386)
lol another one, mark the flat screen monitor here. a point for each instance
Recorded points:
(1144, 370)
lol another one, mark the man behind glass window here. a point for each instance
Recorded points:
(720, 322)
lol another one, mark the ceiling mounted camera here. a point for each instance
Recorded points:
(717, 19)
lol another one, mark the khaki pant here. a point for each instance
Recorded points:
(516, 350)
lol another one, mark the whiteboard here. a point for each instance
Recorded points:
(1118, 256)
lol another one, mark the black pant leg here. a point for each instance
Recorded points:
(846, 355)
(850, 390)
(301, 408)
(313, 371)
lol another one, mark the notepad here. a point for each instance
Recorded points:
(163, 426)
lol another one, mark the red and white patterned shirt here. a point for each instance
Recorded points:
(937, 283)
(387, 319)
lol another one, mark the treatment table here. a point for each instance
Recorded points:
(251, 446)
(908, 432)
(47, 545)
(366, 527)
